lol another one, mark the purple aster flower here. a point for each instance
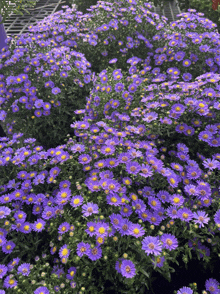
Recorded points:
(3, 270)
(185, 290)
(150, 117)
(26, 227)
(113, 199)
(116, 220)
(82, 248)
(38, 225)
(2, 240)
(169, 241)
(91, 229)
(76, 201)
(8, 247)
(211, 163)
(42, 290)
(107, 150)
(185, 214)
(128, 269)
(133, 167)
(71, 273)
(201, 218)
(10, 282)
(90, 208)
(125, 225)
(126, 210)
(193, 173)
(101, 229)
(64, 252)
(4, 211)
(179, 55)
(84, 159)
(56, 90)
(48, 212)
(176, 200)
(211, 285)
(136, 230)
(154, 203)
(95, 253)
(112, 185)
(63, 228)
(152, 245)
(186, 62)
(24, 269)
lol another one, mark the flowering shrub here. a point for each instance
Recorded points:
(41, 83)
(135, 186)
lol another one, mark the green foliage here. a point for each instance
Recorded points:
(15, 6)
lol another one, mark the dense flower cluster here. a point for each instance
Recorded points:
(138, 184)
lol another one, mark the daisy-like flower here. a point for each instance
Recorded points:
(84, 159)
(24, 269)
(211, 285)
(154, 203)
(8, 247)
(185, 214)
(127, 181)
(159, 261)
(146, 171)
(124, 157)
(126, 210)
(26, 228)
(63, 228)
(112, 185)
(82, 248)
(101, 229)
(128, 269)
(38, 225)
(76, 201)
(136, 230)
(10, 282)
(91, 229)
(185, 290)
(3, 270)
(64, 252)
(116, 220)
(169, 241)
(113, 199)
(191, 189)
(150, 117)
(90, 208)
(124, 227)
(95, 253)
(4, 211)
(193, 173)
(152, 245)
(211, 163)
(71, 273)
(176, 200)
(107, 150)
(42, 290)
(133, 167)
(201, 218)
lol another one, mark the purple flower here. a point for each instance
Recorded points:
(185, 290)
(38, 225)
(107, 150)
(4, 211)
(211, 285)
(101, 229)
(185, 214)
(42, 290)
(159, 261)
(56, 90)
(10, 282)
(84, 159)
(201, 218)
(116, 219)
(133, 167)
(90, 208)
(82, 248)
(26, 228)
(179, 55)
(211, 163)
(63, 228)
(128, 269)
(136, 230)
(76, 201)
(150, 117)
(8, 247)
(71, 273)
(3, 270)
(95, 253)
(24, 269)
(169, 241)
(152, 245)
(125, 226)
(64, 252)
